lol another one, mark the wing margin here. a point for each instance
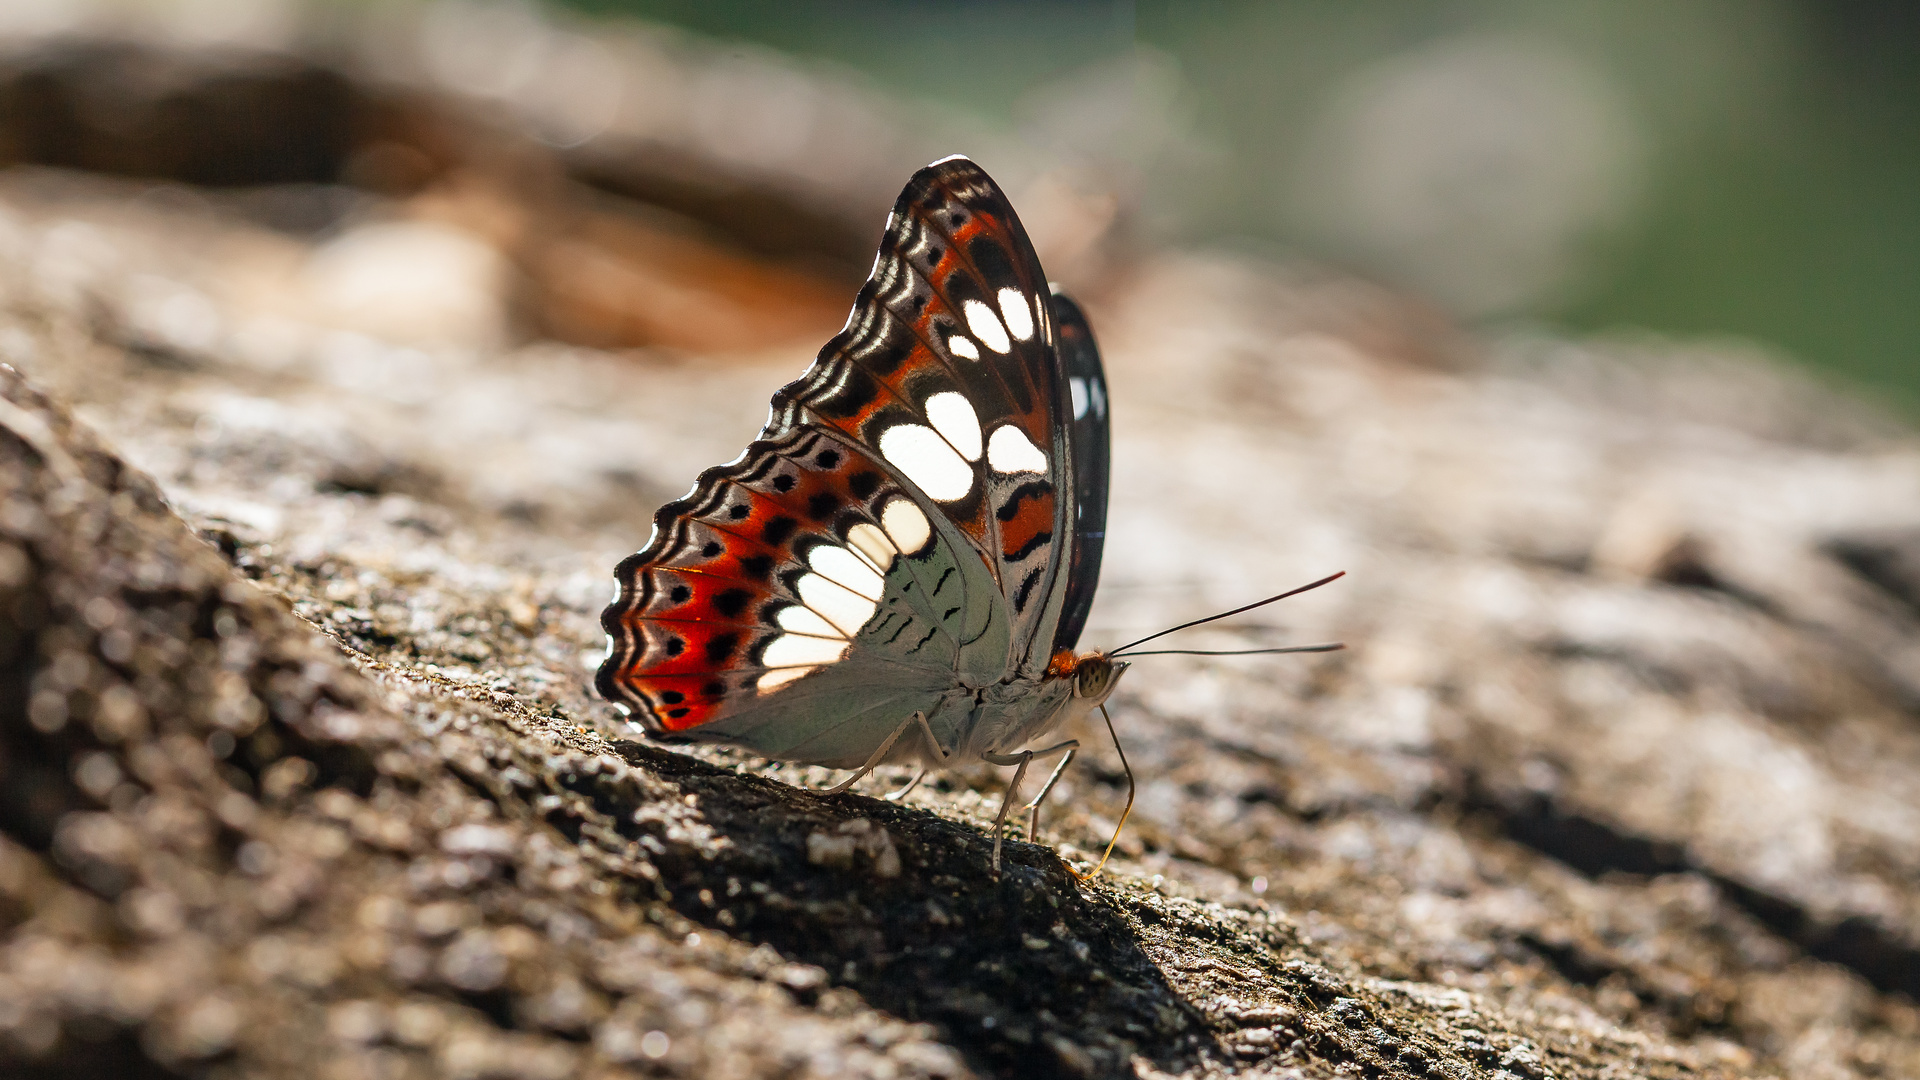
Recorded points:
(1090, 441)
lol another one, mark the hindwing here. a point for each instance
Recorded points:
(1090, 441)
(772, 568)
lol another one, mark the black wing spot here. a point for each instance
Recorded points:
(732, 602)
(1026, 586)
(757, 567)
(949, 614)
(672, 697)
(1032, 489)
(990, 258)
(779, 529)
(720, 647)
(962, 288)
(924, 640)
(680, 594)
(943, 580)
(863, 484)
(856, 390)
(739, 511)
(934, 254)
(822, 506)
(675, 714)
(827, 459)
(714, 689)
(713, 548)
(783, 483)
(1027, 548)
(886, 357)
(675, 646)
(897, 633)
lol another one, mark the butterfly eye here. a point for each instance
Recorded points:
(1091, 676)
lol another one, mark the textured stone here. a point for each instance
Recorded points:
(299, 763)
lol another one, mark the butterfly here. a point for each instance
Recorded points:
(899, 568)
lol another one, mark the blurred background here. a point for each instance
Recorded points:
(712, 175)
(418, 308)
(1718, 167)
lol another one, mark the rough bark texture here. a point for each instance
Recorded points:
(300, 772)
(1617, 778)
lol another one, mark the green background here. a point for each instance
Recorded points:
(1781, 201)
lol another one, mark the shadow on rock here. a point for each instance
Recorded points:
(1026, 973)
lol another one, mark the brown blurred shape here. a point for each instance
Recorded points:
(613, 279)
(220, 118)
(594, 269)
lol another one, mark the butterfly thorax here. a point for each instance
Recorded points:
(1015, 713)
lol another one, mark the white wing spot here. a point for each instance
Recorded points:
(1078, 388)
(869, 541)
(1013, 308)
(986, 326)
(1010, 451)
(794, 650)
(928, 461)
(847, 610)
(953, 417)
(906, 526)
(848, 569)
(779, 677)
(962, 345)
(804, 620)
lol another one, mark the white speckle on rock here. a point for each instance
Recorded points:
(837, 848)
(826, 849)
(208, 1028)
(478, 840)
(473, 962)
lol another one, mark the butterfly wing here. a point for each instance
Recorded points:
(1089, 443)
(947, 369)
(893, 539)
(755, 614)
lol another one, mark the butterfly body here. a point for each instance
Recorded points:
(899, 567)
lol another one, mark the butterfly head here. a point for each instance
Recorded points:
(1094, 674)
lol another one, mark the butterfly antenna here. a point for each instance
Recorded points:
(1238, 610)
(1128, 769)
(1332, 646)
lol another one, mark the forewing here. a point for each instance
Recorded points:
(947, 372)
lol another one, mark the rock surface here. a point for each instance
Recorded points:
(302, 774)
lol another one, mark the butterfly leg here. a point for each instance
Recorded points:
(879, 755)
(933, 749)
(896, 796)
(1022, 759)
(1006, 801)
(933, 746)
(1033, 808)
